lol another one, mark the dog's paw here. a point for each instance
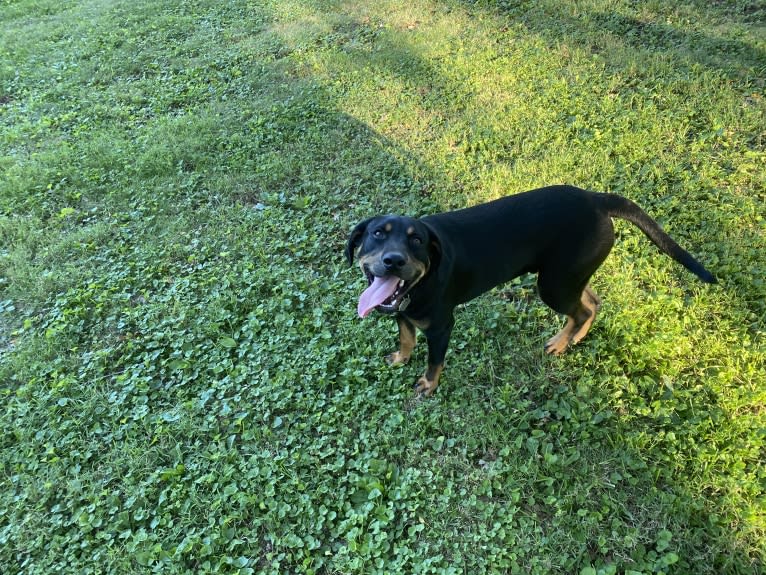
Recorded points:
(556, 345)
(425, 386)
(397, 358)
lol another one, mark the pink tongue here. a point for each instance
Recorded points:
(379, 291)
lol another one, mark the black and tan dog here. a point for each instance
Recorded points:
(420, 269)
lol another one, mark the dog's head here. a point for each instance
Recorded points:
(395, 253)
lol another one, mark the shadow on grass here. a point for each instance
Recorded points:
(590, 27)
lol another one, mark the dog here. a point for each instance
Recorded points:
(421, 269)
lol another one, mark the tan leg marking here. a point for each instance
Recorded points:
(407, 337)
(429, 381)
(573, 331)
(559, 342)
(593, 303)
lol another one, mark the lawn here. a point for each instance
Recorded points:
(185, 385)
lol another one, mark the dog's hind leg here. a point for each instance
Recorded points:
(580, 315)
(559, 342)
(592, 302)
(563, 279)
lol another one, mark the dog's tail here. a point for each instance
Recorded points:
(619, 207)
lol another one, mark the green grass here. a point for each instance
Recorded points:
(185, 385)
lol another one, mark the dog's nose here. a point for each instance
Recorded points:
(394, 261)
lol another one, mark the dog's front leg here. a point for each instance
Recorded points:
(438, 340)
(407, 336)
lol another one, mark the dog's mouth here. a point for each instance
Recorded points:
(384, 293)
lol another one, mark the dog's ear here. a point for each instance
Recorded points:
(355, 239)
(434, 245)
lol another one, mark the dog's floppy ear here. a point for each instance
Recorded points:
(434, 245)
(355, 239)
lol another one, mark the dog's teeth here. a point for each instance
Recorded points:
(401, 283)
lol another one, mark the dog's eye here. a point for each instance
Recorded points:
(416, 241)
(378, 234)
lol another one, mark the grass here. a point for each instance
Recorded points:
(185, 386)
